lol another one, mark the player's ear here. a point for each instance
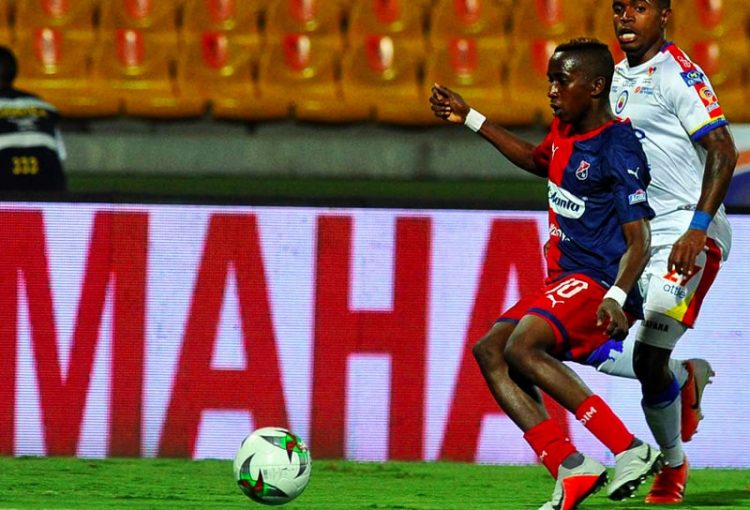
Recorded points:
(598, 86)
(665, 15)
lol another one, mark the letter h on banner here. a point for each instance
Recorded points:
(341, 332)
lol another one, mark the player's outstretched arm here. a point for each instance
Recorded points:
(721, 158)
(450, 106)
(638, 239)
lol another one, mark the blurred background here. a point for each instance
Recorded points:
(310, 100)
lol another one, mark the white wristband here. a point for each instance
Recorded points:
(474, 120)
(617, 294)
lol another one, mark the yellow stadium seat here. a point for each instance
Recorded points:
(320, 20)
(473, 71)
(6, 34)
(485, 20)
(403, 20)
(136, 69)
(238, 19)
(56, 66)
(527, 82)
(699, 20)
(215, 68)
(554, 19)
(76, 17)
(384, 78)
(298, 74)
(156, 18)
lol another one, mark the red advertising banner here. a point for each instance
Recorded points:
(173, 331)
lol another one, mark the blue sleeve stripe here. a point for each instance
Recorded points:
(707, 128)
(507, 319)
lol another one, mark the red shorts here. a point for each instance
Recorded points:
(569, 306)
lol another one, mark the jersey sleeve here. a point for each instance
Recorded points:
(689, 93)
(630, 177)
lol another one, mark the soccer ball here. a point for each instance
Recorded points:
(272, 466)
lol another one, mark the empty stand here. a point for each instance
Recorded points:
(473, 71)
(320, 20)
(156, 18)
(237, 19)
(384, 77)
(137, 69)
(56, 66)
(554, 19)
(298, 74)
(527, 82)
(402, 20)
(215, 68)
(485, 20)
(75, 17)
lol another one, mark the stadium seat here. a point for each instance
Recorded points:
(6, 34)
(728, 72)
(402, 20)
(485, 20)
(216, 69)
(320, 20)
(137, 69)
(527, 80)
(56, 67)
(384, 77)
(553, 19)
(473, 71)
(75, 17)
(297, 74)
(156, 18)
(238, 19)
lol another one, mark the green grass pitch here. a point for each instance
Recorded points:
(135, 484)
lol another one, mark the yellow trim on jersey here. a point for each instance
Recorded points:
(708, 122)
(678, 312)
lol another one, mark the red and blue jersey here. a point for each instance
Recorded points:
(596, 183)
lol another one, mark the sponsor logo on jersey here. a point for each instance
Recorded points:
(641, 89)
(565, 203)
(638, 197)
(555, 231)
(622, 100)
(651, 70)
(707, 95)
(582, 172)
(692, 77)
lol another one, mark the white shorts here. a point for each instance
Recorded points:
(669, 294)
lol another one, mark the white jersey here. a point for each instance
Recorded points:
(671, 105)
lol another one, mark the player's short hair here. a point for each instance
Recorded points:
(596, 56)
(8, 66)
(665, 4)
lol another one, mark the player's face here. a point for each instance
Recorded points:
(639, 26)
(569, 88)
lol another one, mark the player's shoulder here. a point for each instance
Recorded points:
(620, 139)
(675, 65)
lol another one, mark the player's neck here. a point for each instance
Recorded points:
(641, 57)
(594, 119)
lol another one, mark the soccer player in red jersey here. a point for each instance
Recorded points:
(599, 244)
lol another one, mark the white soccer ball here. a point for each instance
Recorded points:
(272, 466)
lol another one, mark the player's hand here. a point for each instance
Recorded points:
(448, 105)
(685, 250)
(612, 317)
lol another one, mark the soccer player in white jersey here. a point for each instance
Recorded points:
(691, 153)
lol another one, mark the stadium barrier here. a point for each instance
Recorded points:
(174, 330)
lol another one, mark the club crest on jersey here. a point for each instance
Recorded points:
(692, 77)
(582, 172)
(622, 100)
(708, 95)
(638, 197)
(564, 203)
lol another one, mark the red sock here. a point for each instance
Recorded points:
(607, 427)
(550, 444)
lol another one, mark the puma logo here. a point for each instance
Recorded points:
(634, 173)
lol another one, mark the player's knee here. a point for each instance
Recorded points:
(488, 351)
(651, 367)
(516, 353)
